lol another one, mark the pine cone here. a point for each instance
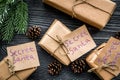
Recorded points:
(117, 35)
(78, 66)
(54, 68)
(33, 32)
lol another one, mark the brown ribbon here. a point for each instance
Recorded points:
(61, 45)
(82, 2)
(11, 69)
(107, 66)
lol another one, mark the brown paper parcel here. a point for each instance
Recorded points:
(94, 12)
(103, 74)
(50, 42)
(5, 73)
(110, 56)
(91, 62)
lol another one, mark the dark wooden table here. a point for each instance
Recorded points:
(43, 15)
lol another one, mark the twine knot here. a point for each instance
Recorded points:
(11, 69)
(59, 40)
(61, 45)
(110, 66)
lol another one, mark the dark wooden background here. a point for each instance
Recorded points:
(43, 15)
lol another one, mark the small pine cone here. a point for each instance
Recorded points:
(78, 66)
(117, 35)
(54, 68)
(33, 32)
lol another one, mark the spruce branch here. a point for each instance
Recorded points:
(21, 17)
(3, 11)
(10, 1)
(4, 8)
(7, 30)
(13, 18)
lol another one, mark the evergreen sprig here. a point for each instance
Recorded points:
(13, 18)
(4, 7)
(21, 16)
(3, 11)
(7, 30)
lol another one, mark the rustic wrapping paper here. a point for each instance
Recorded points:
(50, 44)
(110, 55)
(104, 75)
(95, 12)
(23, 74)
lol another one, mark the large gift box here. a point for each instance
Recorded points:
(94, 12)
(104, 60)
(6, 74)
(21, 62)
(64, 45)
(51, 43)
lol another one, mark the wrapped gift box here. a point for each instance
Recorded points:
(50, 42)
(5, 73)
(104, 75)
(94, 12)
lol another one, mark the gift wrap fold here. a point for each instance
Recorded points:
(94, 12)
(102, 73)
(52, 44)
(6, 72)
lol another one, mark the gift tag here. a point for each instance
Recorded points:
(23, 56)
(110, 55)
(78, 43)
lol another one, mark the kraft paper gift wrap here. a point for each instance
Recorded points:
(91, 62)
(50, 42)
(105, 60)
(94, 12)
(5, 73)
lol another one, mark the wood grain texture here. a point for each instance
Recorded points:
(43, 15)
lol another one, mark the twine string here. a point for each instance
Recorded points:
(76, 3)
(106, 66)
(11, 69)
(61, 45)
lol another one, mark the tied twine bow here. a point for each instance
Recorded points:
(82, 2)
(11, 69)
(61, 45)
(107, 66)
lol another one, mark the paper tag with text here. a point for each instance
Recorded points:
(78, 43)
(110, 55)
(23, 56)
